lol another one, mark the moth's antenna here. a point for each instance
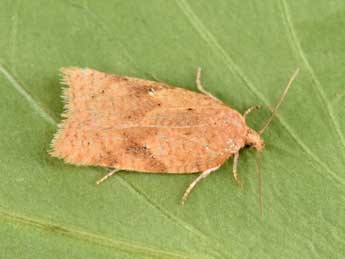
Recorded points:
(279, 101)
(258, 164)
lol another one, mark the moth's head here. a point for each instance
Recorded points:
(253, 139)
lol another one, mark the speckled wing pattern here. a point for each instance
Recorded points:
(135, 124)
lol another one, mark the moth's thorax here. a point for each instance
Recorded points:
(254, 139)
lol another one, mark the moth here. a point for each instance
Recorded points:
(126, 123)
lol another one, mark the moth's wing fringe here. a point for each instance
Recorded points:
(66, 84)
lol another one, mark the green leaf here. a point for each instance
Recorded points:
(248, 50)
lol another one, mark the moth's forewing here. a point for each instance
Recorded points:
(146, 126)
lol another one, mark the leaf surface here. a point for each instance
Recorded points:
(247, 51)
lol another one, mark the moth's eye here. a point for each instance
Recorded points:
(248, 146)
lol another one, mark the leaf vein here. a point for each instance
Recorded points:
(298, 48)
(126, 246)
(170, 216)
(22, 91)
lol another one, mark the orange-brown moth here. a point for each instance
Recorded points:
(127, 123)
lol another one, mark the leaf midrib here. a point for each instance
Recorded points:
(129, 247)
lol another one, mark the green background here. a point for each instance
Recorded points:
(248, 50)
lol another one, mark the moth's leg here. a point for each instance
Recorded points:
(199, 85)
(251, 109)
(192, 185)
(107, 176)
(234, 169)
